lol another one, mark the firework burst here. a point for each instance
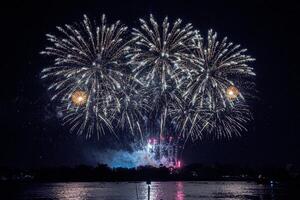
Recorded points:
(159, 53)
(161, 50)
(88, 57)
(222, 65)
(211, 90)
(165, 73)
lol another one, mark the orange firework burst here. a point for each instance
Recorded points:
(232, 92)
(79, 98)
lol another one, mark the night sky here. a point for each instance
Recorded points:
(31, 135)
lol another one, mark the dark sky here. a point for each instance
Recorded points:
(32, 136)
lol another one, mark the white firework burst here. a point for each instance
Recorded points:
(221, 65)
(166, 73)
(157, 59)
(90, 57)
(160, 51)
(214, 90)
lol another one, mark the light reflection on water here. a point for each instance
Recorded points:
(159, 190)
(73, 191)
(179, 191)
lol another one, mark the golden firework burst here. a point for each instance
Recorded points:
(79, 98)
(232, 92)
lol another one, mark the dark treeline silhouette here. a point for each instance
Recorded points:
(193, 172)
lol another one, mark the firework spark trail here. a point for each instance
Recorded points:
(186, 118)
(227, 122)
(133, 107)
(88, 58)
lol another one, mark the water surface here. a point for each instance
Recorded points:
(159, 190)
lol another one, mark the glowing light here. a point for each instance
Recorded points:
(79, 98)
(232, 92)
(178, 164)
(179, 191)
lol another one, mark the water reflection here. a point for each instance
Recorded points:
(159, 191)
(163, 191)
(179, 191)
(233, 190)
(71, 191)
(243, 190)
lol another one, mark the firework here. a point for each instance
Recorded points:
(195, 122)
(160, 51)
(222, 65)
(158, 55)
(211, 96)
(133, 107)
(186, 118)
(165, 73)
(226, 122)
(87, 57)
